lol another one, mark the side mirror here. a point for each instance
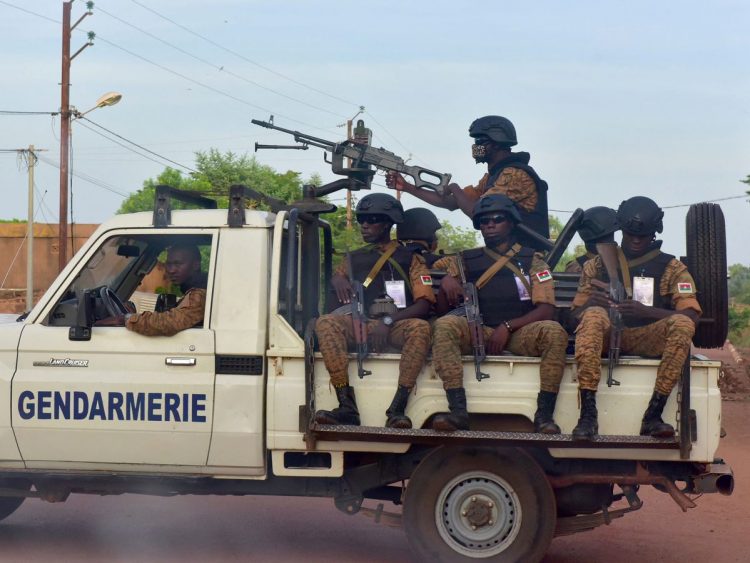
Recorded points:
(84, 318)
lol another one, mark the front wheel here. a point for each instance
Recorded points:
(465, 504)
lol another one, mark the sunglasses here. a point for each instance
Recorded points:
(497, 219)
(371, 219)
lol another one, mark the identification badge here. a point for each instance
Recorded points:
(523, 293)
(643, 290)
(396, 289)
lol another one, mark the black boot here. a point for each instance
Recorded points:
(652, 424)
(345, 413)
(544, 422)
(458, 418)
(587, 426)
(395, 413)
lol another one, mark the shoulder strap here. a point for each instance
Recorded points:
(384, 256)
(500, 261)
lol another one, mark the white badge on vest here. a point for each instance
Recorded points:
(396, 289)
(523, 293)
(643, 290)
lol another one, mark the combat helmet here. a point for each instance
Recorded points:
(597, 223)
(381, 204)
(640, 216)
(497, 128)
(495, 203)
(419, 224)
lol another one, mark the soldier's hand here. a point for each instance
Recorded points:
(118, 320)
(453, 290)
(598, 299)
(497, 342)
(343, 288)
(379, 336)
(396, 181)
(633, 309)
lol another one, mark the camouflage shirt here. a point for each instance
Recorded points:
(512, 182)
(188, 313)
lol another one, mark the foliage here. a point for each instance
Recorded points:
(12, 220)
(452, 239)
(739, 325)
(555, 227)
(739, 283)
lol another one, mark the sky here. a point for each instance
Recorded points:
(612, 99)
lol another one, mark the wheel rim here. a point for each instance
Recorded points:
(478, 514)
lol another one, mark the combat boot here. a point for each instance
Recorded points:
(345, 413)
(544, 422)
(395, 413)
(652, 424)
(587, 426)
(458, 418)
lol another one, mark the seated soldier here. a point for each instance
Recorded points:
(517, 300)
(659, 314)
(183, 268)
(394, 276)
(418, 232)
(598, 224)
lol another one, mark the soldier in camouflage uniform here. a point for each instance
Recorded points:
(386, 269)
(418, 232)
(659, 313)
(598, 225)
(517, 300)
(508, 173)
(183, 268)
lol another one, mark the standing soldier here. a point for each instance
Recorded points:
(659, 313)
(517, 299)
(418, 233)
(598, 224)
(508, 173)
(394, 278)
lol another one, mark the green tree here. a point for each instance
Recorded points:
(452, 239)
(555, 228)
(739, 283)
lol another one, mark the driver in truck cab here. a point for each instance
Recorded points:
(397, 290)
(183, 268)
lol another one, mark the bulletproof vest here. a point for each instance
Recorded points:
(538, 219)
(429, 257)
(498, 299)
(654, 268)
(364, 259)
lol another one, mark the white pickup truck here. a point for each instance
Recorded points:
(225, 407)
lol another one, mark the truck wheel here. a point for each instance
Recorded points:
(464, 504)
(707, 262)
(8, 505)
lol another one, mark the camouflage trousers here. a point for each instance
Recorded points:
(669, 338)
(336, 332)
(545, 339)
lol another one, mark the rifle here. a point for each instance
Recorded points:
(359, 319)
(616, 292)
(362, 157)
(474, 320)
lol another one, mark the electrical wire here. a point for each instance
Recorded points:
(87, 178)
(220, 68)
(14, 112)
(241, 56)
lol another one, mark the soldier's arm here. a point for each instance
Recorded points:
(422, 294)
(188, 313)
(542, 295)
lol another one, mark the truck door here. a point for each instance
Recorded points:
(119, 397)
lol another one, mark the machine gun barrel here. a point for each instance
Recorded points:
(258, 147)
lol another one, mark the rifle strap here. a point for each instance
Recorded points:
(626, 264)
(385, 256)
(500, 262)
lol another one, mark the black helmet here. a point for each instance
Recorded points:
(640, 216)
(381, 204)
(597, 223)
(499, 129)
(419, 224)
(495, 203)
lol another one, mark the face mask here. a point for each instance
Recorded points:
(479, 152)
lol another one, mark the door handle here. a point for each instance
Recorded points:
(180, 361)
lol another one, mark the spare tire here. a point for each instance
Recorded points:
(707, 262)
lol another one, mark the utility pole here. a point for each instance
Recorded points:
(30, 233)
(349, 137)
(65, 115)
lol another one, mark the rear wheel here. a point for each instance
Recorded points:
(8, 505)
(472, 503)
(707, 262)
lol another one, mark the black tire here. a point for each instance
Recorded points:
(8, 505)
(501, 491)
(707, 262)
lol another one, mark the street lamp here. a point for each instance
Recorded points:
(66, 132)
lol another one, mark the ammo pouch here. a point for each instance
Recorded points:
(381, 307)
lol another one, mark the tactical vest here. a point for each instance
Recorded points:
(538, 219)
(429, 257)
(654, 268)
(364, 259)
(498, 299)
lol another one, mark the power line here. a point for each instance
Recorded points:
(241, 56)
(13, 112)
(30, 12)
(220, 68)
(134, 144)
(87, 178)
